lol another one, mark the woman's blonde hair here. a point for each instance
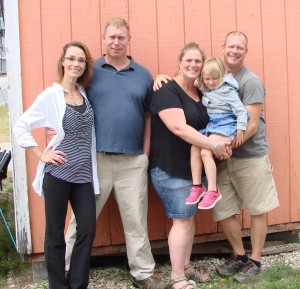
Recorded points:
(213, 66)
(85, 78)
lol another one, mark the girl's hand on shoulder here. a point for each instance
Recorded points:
(54, 157)
(160, 78)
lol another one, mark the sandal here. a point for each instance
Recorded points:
(197, 275)
(178, 280)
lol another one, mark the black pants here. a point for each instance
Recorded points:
(82, 199)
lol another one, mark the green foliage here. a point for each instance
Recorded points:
(7, 202)
(4, 204)
(279, 271)
(279, 276)
(4, 127)
(6, 245)
(10, 261)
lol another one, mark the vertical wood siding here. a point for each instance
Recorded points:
(292, 101)
(159, 29)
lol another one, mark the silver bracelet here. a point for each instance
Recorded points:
(214, 146)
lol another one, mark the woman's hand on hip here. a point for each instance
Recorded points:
(54, 157)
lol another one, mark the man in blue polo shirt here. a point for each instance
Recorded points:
(120, 93)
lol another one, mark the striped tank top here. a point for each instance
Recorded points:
(77, 145)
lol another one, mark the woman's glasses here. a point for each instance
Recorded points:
(74, 59)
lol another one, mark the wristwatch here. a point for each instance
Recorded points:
(214, 146)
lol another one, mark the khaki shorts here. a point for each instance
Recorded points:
(248, 182)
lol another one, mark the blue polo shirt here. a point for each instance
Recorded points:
(119, 100)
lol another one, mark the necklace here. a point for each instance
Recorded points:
(75, 102)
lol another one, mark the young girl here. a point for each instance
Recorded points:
(228, 121)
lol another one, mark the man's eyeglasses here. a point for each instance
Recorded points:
(73, 59)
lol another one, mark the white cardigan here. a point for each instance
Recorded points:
(48, 111)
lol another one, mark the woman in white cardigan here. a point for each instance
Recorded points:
(67, 169)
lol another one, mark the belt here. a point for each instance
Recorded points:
(111, 154)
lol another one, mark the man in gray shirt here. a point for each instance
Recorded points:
(246, 178)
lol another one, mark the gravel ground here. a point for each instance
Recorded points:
(116, 276)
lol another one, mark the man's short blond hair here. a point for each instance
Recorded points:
(239, 33)
(117, 22)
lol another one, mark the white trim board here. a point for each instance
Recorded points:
(15, 106)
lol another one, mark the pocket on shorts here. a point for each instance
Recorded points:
(269, 167)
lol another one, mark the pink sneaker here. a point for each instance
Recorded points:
(195, 195)
(209, 200)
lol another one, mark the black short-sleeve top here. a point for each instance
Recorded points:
(168, 151)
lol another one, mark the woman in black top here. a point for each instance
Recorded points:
(178, 115)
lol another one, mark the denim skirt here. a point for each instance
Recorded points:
(221, 123)
(173, 192)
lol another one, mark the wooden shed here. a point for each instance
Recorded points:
(36, 30)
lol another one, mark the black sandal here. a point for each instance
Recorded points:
(177, 280)
(197, 275)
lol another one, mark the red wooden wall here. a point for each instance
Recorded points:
(159, 29)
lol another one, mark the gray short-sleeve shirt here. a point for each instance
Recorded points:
(252, 90)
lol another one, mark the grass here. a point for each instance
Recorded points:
(10, 261)
(279, 276)
(4, 125)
